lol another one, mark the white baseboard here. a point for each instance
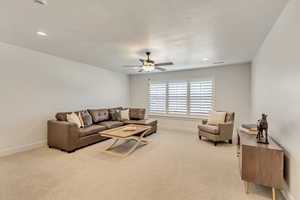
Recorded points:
(21, 148)
(286, 193)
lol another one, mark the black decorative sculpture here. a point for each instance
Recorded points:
(262, 129)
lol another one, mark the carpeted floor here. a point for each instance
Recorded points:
(175, 166)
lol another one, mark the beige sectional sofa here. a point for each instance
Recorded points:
(68, 137)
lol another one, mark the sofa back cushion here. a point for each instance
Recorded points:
(99, 115)
(137, 113)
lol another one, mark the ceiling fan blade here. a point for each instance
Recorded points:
(132, 66)
(141, 70)
(142, 60)
(164, 64)
(160, 69)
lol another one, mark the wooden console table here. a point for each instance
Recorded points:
(260, 163)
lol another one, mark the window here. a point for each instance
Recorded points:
(177, 98)
(184, 98)
(201, 97)
(157, 97)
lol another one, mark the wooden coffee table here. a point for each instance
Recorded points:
(121, 133)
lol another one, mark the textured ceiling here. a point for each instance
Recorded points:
(113, 33)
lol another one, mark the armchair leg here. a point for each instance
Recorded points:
(230, 141)
(200, 137)
(215, 143)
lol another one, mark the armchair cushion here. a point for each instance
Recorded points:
(210, 129)
(216, 118)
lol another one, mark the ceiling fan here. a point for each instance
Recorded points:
(149, 65)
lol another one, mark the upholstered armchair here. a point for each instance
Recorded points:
(218, 130)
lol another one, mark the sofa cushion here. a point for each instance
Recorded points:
(94, 129)
(141, 122)
(111, 124)
(210, 129)
(137, 113)
(99, 115)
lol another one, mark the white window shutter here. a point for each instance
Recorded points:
(184, 98)
(177, 98)
(157, 97)
(201, 97)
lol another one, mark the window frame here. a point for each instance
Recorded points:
(188, 115)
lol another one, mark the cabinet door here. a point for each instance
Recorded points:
(262, 166)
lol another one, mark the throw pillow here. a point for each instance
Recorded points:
(81, 121)
(86, 118)
(216, 118)
(73, 118)
(115, 114)
(125, 115)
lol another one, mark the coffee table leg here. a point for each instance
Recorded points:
(132, 148)
(111, 146)
(138, 139)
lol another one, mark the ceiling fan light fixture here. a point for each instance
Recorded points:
(148, 66)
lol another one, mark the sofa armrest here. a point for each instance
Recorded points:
(62, 135)
(226, 130)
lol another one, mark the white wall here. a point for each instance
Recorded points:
(232, 84)
(276, 89)
(34, 86)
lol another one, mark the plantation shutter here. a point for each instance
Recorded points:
(157, 97)
(177, 98)
(201, 97)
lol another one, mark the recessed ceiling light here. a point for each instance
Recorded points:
(42, 33)
(205, 59)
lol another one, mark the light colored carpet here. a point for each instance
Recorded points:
(173, 166)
